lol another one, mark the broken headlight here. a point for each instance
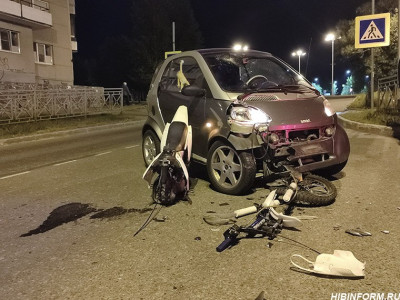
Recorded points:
(244, 119)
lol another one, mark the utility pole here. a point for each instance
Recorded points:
(398, 32)
(173, 36)
(372, 64)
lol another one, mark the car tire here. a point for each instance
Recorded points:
(150, 146)
(314, 190)
(230, 172)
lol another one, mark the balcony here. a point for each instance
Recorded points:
(32, 13)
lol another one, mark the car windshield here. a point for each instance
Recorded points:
(238, 72)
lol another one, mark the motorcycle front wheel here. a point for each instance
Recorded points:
(314, 190)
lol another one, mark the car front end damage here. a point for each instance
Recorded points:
(310, 141)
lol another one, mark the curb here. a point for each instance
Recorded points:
(369, 128)
(42, 136)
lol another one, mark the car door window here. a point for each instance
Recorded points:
(190, 69)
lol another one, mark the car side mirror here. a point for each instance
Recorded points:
(194, 91)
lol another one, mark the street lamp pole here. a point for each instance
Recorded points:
(331, 37)
(333, 64)
(300, 53)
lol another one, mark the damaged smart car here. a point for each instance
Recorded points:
(250, 113)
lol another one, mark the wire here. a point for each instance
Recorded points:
(149, 219)
(256, 132)
(297, 242)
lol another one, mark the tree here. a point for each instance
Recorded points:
(151, 35)
(318, 87)
(347, 88)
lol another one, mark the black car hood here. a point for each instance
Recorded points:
(292, 110)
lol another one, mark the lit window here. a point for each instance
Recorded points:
(43, 53)
(9, 40)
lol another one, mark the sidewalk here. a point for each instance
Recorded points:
(363, 127)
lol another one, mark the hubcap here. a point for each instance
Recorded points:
(226, 166)
(149, 149)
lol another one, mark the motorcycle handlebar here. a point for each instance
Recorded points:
(225, 244)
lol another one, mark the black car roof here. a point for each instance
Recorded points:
(229, 50)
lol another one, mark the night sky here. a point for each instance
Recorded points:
(275, 26)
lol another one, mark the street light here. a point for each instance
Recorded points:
(298, 53)
(240, 47)
(331, 37)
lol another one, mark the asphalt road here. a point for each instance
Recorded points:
(26, 156)
(174, 257)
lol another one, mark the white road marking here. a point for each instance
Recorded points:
(13, 175)
(65, 162)
(131, 146)
(103, 153)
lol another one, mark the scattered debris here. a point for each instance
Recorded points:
(161, 219)
(306, 217)
(261, 296)
(219, 219)
(358, 232)
(337, 227)
(269, 245)
(340, 263)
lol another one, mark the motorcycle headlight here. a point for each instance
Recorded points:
(249, 116)
(329, 111)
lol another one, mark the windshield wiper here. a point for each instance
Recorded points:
(286, 89)
(290, 88)
(299, 88)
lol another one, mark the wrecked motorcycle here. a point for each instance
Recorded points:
(172, 182)
(268, 223)
(307, 189)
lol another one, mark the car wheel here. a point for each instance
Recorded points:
(229, 171)
(314, 190)
(150, 146)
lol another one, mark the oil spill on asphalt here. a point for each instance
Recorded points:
(74, 211)
(117, 211)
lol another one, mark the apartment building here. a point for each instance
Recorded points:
(37, 41)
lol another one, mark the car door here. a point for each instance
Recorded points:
(170, 97)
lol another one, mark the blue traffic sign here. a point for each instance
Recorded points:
(372, 31)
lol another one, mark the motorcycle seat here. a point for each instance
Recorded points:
(176, 138)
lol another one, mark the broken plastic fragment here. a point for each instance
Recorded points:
(340, 263)
(358, 232)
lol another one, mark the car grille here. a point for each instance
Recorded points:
(260, 98)
(303, 135)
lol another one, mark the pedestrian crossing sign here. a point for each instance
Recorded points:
(372, 31)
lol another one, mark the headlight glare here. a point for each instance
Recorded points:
(249, 115)
(329, 111)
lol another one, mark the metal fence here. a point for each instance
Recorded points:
(26, 103)
(388, 94)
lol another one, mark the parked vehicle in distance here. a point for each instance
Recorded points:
(250, 112)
